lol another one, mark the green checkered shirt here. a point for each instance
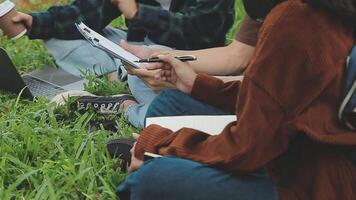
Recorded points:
(190, 24)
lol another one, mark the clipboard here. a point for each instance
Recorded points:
(99, 41)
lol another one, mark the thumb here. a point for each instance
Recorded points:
(17, 18)
(171, 60)
(135, 136)
(23, 18)
(134, 49)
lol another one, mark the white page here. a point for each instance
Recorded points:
(211, 124)
(103, 43)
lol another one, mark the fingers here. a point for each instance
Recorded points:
(155, 54)
(126, 45)
(23, 18)
(135, 163)
(134, 49)
(135, 136)
(152, 66)
(142, 73)
(169, 59)
(130, 69)
(18, 18)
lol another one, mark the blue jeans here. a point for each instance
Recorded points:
(77, 56)
(176, 103)
(179, 179)
(135, 114)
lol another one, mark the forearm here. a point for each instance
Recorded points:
(226, 79)
(59, 21)
(185, 28)
(221, 61)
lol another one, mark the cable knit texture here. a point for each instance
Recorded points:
(287, 110)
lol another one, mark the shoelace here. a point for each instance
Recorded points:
(104, 108)
(111, 108)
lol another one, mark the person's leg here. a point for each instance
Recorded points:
(176, 103)
(77, 56)
(135, 114)
(179, 179)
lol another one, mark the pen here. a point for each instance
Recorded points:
(156, 59)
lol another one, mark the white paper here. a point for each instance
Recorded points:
(211, 124)
(103, 43)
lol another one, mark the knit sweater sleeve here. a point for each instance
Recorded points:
(242, 146)
(215, 92)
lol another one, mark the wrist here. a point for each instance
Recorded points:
(29, 22)
(190, 84)
(132, 13)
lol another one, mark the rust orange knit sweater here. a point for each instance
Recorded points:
(287, 110)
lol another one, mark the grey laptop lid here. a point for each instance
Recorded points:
(10, 79)
(60, 78)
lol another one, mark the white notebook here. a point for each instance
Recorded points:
(211, 124)
(106, 45)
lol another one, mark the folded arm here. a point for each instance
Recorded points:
(187, 29)
(58, 21)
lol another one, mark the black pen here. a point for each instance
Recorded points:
(156, 59)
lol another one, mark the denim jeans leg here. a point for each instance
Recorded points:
(180, 179)
(79, 56)
(176, 103)
(144, 95)
(141, 92)
(135, 114)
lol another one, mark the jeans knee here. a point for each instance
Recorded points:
(133, 81)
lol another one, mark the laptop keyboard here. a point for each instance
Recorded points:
(41, 88)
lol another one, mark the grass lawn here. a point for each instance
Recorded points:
(52, 153)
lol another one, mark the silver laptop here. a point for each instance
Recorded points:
(45, 82)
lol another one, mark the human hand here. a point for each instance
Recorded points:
(135, 162)
(139, 51)
(23, 18)
(127, 7)
(173, 71)
(148, 77)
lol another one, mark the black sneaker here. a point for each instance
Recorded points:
(85, 101)
(103, 104)
(120, 148)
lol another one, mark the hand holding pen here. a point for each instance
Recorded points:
(156, 59)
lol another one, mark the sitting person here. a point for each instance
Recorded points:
(178, 24)
(287, 142)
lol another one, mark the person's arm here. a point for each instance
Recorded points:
(243, 147)
(199, 25)
(271, 97)
(221, 61)
(228, 60)
(58, 21)
(226, 79)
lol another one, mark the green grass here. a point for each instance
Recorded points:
(55, 153)
(239, 14)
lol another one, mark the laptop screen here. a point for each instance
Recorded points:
(10, 79)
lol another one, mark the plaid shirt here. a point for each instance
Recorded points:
(190, 24)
